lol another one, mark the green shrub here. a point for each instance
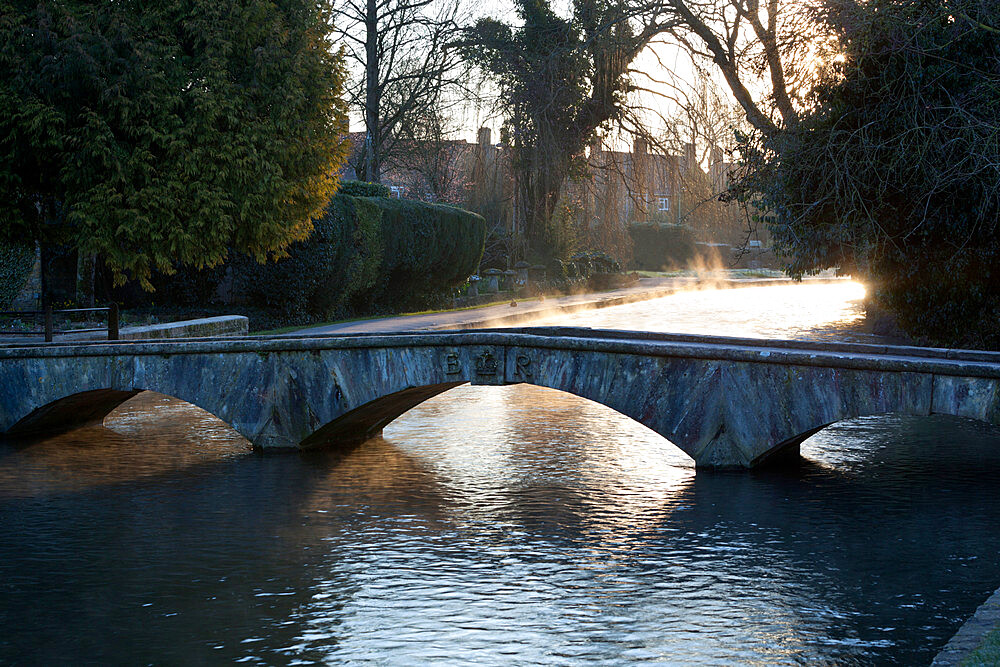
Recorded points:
(353, 228)
(366, 255)
(186, 287)
(429, 249)
(16, 262)
(363, 189)
(320, 273)
(661, 246)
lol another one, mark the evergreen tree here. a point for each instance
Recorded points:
(160, 134)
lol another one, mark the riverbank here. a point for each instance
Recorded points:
(509, 314)
(977, 642)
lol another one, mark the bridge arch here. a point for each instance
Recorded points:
(368, 420)
(86, 408)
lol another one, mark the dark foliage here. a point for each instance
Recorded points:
(322, 274)
(428, 250)
(893, 175)
(363, 189)
(16, 262)
(162, 134)
(659, 247)
(366, 255)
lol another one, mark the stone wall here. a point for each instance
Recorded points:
(206, 327)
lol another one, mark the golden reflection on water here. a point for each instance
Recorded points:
(827, 310)
(497, 469)
(150, 434)
(376, 472)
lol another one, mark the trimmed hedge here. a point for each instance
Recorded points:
(16, 262)
(429, 249)
(367, 255)
(658, 246)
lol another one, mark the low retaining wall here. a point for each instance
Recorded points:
(207, 327)
(224, 325)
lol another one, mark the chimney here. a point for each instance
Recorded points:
(690, 157)
(483, 137)
(640, 146)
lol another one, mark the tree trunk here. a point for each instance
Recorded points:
(59, 275)
(85, 280)
(373, 166)
(541, 197)
(43, 274)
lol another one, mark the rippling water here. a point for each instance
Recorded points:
(500, 525)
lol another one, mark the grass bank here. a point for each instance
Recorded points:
(987, 653)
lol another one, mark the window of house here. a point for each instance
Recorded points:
(663, 203)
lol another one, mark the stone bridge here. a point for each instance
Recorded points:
(724, 401)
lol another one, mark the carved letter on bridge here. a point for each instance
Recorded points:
(451, 365)
(523, 366)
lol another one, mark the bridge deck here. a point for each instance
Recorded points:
(861, 356)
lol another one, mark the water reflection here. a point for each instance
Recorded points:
(497, 525)
(495, 465)
(814, 311)
(150, 434)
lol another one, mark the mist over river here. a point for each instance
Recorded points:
(503, 526)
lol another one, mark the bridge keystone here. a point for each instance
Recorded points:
(487, 365)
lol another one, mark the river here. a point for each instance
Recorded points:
(503, 526)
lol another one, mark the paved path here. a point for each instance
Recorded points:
(536, 309)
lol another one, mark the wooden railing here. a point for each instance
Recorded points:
(48, 321)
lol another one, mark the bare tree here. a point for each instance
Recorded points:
(399, 53)
(560, 79)
(766, 50)
(702, 128)
(424, 149)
